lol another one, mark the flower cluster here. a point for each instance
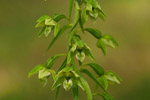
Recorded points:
(79, 49)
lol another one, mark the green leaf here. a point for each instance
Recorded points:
(97, 68)
(93, 3)
(79, 83)
(87, 52)
(43, 73)
(74, 26)
(74, 47)
(92, 77)
(77, 10)
(103, 81)
(70, 8)
(78, 41)
(66, 69)
(57, 92)
(40, 24)
(75, 92)
(91, 56)
(42, 18)
(88, 7)
(63, 65)
(56, 30)
(35, 70)
(42, 31)
(64, 28)
(108, 42)
(101, 44)
(62, 74)
(84, 18)
(53, 74)
(80, 21)
(52, 59)
(76, 17)
(95, 80)
(111, 76)
(59, 81)
(58, 17)
(70, 38)
(87, 88)
(69, 57)
(102, 15)
(84, 82)
(96, 33)
(75, 74)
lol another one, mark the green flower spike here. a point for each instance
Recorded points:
(70, 74)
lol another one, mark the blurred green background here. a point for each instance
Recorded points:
(20, 49)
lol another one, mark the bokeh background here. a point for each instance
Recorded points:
(20, 49)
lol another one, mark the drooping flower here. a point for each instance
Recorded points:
(79, 49)
(48, 24)
(67, 77)
(94, 10)
(67, 84)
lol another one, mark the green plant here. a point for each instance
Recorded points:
(70, 75)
